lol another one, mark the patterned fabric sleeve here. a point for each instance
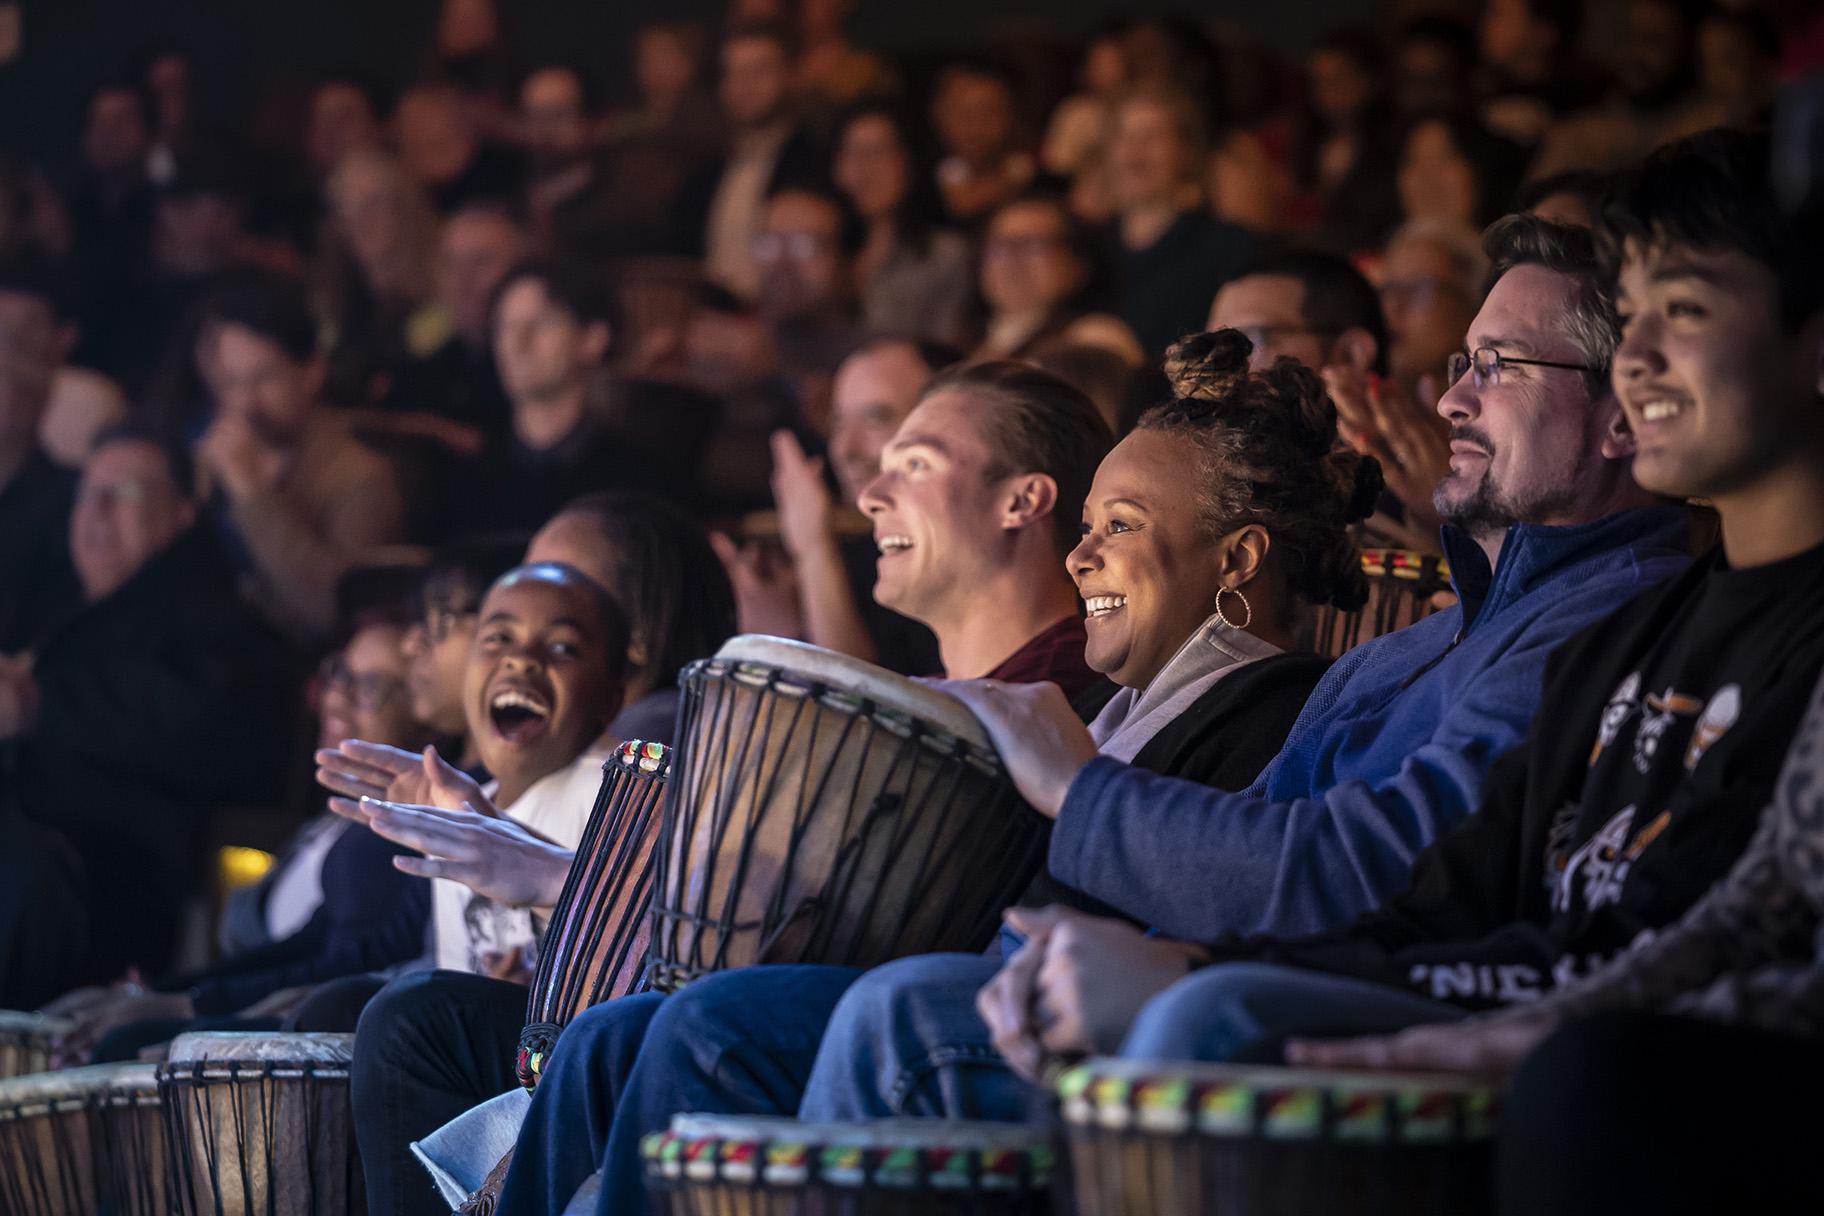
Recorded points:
(1749, 951)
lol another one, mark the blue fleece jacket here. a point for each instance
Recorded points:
(1388, 754)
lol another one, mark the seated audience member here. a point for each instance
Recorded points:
(37, 584)
(965, 546)
(161, 625)
(1041, 277)
(1169, 252)
(1430, 278)
(298, 497)
(453, 394)
(437, 645)
(830, 67)
(826, 594)
(1391, 751)
(440, 147)
(804, 253)
(575, 427)
(1341, 160)
(376, 279)
(1454, 172)
(337, 908)
(1533, 73)
(81, 406)
(1661, 728)
(720, 210)
(975, 116)
(1077, 131)
(1318, 309)
(915, 278)
(442, 1041)
(348, 113)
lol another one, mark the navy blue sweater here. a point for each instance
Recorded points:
(1389, 752)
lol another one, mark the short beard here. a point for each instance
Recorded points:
(1486, 511)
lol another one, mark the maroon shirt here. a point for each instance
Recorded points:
(1055, 655)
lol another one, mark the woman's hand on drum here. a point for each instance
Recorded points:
(1077, 985)
(358, 769)
(1487, 1045)
(1040, 739)
(491, 855)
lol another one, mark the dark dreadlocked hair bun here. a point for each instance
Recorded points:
(1270, 456)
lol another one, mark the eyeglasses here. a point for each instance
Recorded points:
(1488, 362)
(997, 247)
(440, 621)
(369, 690)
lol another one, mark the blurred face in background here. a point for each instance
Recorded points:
(541, 348)
(756, 81)
(1436, 182)
(31, 349)
(1270, 310)
(254, 380)
(128, 508)
(664, 66)
(117, 138)
(799, 254)
(366, 195)
(364, 692)
(1340, 87)
(1027, 262)
(873, 167)
(874, 392)
(555, 117)
(1427, 305)
(1149, 161)
(435, 140)
(341, 120)
(476, 250)
(437, 658)
(974, 117)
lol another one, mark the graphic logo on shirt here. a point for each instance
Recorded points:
(1662, 710)
(1622, 703)
(1601, 865)
(1724, 708)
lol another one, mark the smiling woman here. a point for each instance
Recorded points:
(1207, 528)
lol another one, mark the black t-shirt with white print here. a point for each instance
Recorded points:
(1656, 746)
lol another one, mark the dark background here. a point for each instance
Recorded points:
(70, 46)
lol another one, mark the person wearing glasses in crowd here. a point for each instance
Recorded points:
(96, 769)
(437, 645)
(336, 906)
(1042, 279)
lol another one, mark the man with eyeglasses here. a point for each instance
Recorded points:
(1547, 532)
(161, 624)
(804, 253)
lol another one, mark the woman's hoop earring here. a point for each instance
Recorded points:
(1247, 607)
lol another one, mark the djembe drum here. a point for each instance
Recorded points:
(1147, 1137)
(722, 1166)
(595, 947)
(133, 1172)
(824, 810)
(259, 1125)
(1401, 585)
(25, 1042)
(47, 1149)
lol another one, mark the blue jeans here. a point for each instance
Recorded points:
(906, 1040)
(739, 1042)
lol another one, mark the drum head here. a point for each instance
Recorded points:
(71, 1086)
(213, 1045)
(863, 681)
(1225, 1100)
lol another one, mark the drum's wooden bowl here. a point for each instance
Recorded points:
(260, 1125)
(830, 812)
(133, 1166)
(1162, 1136)
(47, 1142)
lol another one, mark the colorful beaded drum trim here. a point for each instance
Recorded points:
(1281, 1104)
(833, 1160)
(643, 759)
(1404, 564)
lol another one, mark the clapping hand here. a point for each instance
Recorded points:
(494, 856)
(358, 769)
(1412, 443)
